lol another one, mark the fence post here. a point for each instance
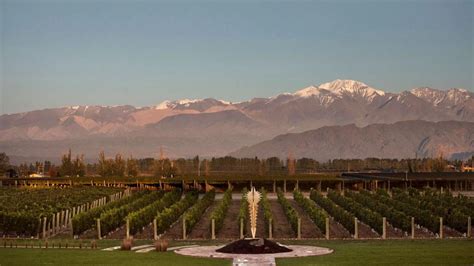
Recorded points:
(213, 229)
(155, 232)
(99, 235)
(327, 228)
(66, 222)
(274, 186)
(384, 228)
(284, 186)
(58, 220)
(299, 228)
(53, 224)
(469, 226)
(412, 227)
(356, 228)
(441, 227)
(44, 227)
(184, 227)
(128, 228)
(270, 229)
(241, 228)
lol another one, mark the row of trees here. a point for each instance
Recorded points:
(120, 166)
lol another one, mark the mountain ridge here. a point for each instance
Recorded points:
(227, 126)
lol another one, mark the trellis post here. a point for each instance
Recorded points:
(384, 228)
(469, 226)
(356, 228)
(128, 228)
(213, 229)
(441, 227)
(270, 229)
(184, 227)
(155, 231)
(99, 235)
(299, 229)
(327, 228)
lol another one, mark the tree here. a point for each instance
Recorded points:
(78, 168)
(103, 169)
(66, 167)
(52, 172)
(291, 164)
(4, 163)
(119, 166)
(132, 167)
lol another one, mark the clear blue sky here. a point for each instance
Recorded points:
(70, 52)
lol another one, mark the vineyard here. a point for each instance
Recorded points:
(24, 210)
(114, 213)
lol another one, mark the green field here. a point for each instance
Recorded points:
(374, 252)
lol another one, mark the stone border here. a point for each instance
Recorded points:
(254, 259)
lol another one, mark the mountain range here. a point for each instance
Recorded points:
(405, 139)
(210, 127)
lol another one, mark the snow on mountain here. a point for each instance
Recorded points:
(187, 103)
(339, 88)
(437, 97)
(339, 102)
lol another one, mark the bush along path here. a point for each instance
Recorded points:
(372, 219)
(453, 215)
(195, 213)
(243, 212)
(139, 219)
(114, 218)
(87, 220)
(219, 213)
(170, 215)
(396, 218)
(316, 214)
(289, 211)
(342, 216)
(422, 217)
(267, 211)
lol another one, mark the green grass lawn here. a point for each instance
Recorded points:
(375, 252)
(395, 252)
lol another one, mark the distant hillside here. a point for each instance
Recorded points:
(210, 127)
(406, 139)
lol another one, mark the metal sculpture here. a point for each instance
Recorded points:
(253, 197)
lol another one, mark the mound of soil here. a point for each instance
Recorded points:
(253, 246)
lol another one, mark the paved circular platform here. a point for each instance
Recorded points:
(253, 259)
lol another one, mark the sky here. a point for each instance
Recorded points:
(71, 52)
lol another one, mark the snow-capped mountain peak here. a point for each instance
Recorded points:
(338, 88)
(353, 87)
(308, 91)
(437, 97)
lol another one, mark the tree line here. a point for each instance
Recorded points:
(120, 166)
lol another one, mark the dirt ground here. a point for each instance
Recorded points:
(120, 233)
(393, 232)
(146, 233)
(231, 227)
(281, 226)
(175, 231)
(308, 228)
(366, 231)
(336, 230)
(449, 232)
(202, 229)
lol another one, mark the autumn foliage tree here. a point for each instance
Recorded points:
(70, 167)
